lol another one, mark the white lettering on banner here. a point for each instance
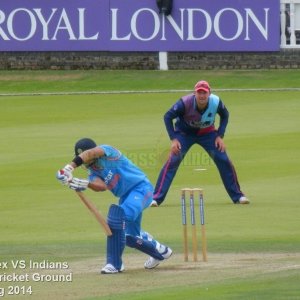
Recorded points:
(10, 22)
(81, 27)
(239, 24)
(67, 25)
(45, 23)
(191, 24)
(64, 24)
(3, 35)
(178, 29)
(156, 26)
(134, 27)
(114, 26)
(194, 16)
(264, 31)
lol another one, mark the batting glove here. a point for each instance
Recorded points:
(65, 175)
(78, 184)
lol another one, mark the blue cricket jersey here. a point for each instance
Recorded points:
(117, 171)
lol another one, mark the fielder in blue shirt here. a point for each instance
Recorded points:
(110, 170)
(194, 116)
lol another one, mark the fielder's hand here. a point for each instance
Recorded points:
(65, 175)
(220, 145)
(78, 184)
(175, 147)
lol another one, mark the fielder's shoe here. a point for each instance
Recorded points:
(244, 200)
(154, 204)
(110, 269)
(151, 262)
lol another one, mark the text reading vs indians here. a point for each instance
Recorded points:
(31, 264)
(20, 273)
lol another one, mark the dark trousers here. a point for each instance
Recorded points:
(221, 159)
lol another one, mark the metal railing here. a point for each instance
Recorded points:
(290, 23)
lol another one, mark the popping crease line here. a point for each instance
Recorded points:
(147, 92)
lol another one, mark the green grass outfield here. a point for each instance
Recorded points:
(253, 251)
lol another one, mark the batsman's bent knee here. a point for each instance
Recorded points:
(116, 217)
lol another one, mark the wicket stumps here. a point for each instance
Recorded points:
(191, 192)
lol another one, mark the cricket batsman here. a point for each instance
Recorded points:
(109, 169)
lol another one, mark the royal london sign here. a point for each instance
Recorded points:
(136, 25)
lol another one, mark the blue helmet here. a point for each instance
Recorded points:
(83, 145)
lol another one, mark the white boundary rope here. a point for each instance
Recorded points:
(146, 92)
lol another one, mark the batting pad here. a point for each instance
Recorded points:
(116, 242)
(144, 246)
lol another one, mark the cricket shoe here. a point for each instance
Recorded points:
(244, 200)
(151, 262)
(110, 269)
(153, 204)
